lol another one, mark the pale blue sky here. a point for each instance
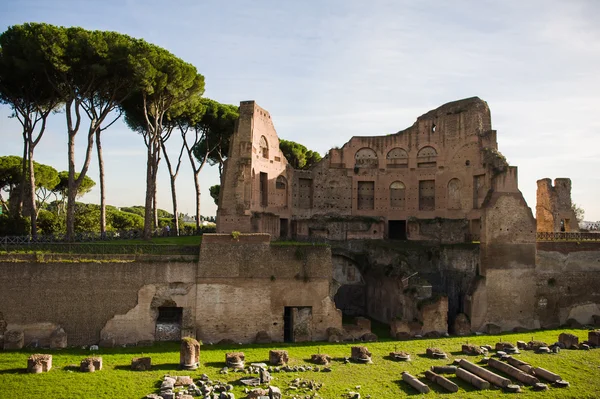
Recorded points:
(329, 70)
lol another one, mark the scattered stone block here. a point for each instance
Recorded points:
(39, 363)
(434, 316)
(183, 380)
(400, 356)
(441, 381)
(58, 339)
(473, 350)
(360, 354)
(363, 323)
(335, 334)
(414, 382)
(321, 359)
(14, 340)
(278, 357)
(262, 337)
(535, 345)
(189, 354)
(521, 345)
(369, 337)
(462, 325)
(568, 340)
(235, 360)
(274, 393)
(435, 353)
(141, 364)
(493, 329)
(444, 369)
(91, 364)
(264, 376)
(594, 337)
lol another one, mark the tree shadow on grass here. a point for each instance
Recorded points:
(14, 371)
(162, 366)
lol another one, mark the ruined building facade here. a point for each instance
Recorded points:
(426, 231)
(393, 186)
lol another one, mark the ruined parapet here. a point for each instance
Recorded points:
(434, 315)
(554, 209)
(39, 363)
(189, 354)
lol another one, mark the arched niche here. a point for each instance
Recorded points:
(427, 157)
(281, 188)
(263, 146)
(397, 158)
(366, 158)
(348, 286)
(397, 195)
(454, 194)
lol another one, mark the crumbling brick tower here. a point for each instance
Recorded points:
(554, 209)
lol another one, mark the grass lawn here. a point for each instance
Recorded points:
(382, 379)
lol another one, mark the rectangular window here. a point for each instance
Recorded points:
(305, 193)
(427, 195)
(366, 195)
(264, 189)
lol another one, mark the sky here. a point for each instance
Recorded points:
(332, 69)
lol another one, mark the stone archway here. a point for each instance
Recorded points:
(348, 288)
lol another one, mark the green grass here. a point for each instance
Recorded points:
(382, 379)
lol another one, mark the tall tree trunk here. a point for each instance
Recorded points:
(175, 211)
(154, 205)
(149, 203)
(31, 193)
(71, 191)
(197, 185)
(23, 174)
(102, 194)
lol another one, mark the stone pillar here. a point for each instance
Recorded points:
(485, 374)
(415, 383)
(441, 381)
(513, 372)
(235, 360)
(472, 379)
(189, 354)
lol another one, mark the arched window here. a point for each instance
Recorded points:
(264, 147)
(397, 195)
(427, 157)
(454, 200)
(397, 158)
(366, 158)
(281, 188)
(280, 183)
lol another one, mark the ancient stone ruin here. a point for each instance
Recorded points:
(569, 341)
(278, 357)
(13, 340)
(39, 363)
(91, 364)
(360, 354)
(141, 364)
(235, 360)
(321, 359)
(436, 353)
(189, 354)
